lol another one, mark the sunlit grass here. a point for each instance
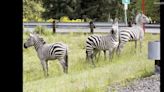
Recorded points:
(82, 76)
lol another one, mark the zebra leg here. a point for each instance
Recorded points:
(92, 56)
(62, 62)
(87, 57)
(140, 46)
(45, 67)
(119, 49)
(110, 55)
(104, 54)
(98, 55)
(113, 51)
(95, 54)
(136, 46)
(66, 62)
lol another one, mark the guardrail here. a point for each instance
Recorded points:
(85, 26)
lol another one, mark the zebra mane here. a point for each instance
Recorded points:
(42, 40)
(39, 38)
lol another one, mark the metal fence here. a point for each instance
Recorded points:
(155, 28)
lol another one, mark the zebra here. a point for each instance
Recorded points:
(96, 43)
(133, 33)
(47, 52)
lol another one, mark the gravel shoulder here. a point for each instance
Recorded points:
(147, 84)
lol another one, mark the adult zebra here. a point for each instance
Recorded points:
(47, 52)
(96, 43)
(133, 33)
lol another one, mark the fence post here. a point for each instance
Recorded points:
(92, 26)
(54, 26)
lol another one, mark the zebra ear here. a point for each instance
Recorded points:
(115, 22)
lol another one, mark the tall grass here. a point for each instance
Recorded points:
(82, 76)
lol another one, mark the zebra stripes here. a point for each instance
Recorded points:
(57, 49)
(116, 39)
(96, 43)
(133, 33)
(47, 52)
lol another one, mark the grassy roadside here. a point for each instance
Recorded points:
(82, 76)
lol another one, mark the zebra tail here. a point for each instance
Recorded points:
(86, 55)
(66, 58)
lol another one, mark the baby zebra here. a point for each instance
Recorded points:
(47, 52)
(96, 43)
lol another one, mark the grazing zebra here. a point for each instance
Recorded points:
(133, 33)
(47, 52)
(96, 43)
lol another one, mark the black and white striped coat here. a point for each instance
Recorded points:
(96, 43)
(47, 52)
(133, 33)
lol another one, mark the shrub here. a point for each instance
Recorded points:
(50, 20)
(39, 30)
(25, 20)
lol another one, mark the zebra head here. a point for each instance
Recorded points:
(33, 38)
(114, 29)
(30, 41)
(141, 18)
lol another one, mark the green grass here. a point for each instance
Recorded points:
(82, 76)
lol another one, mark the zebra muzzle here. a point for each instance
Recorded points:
(25, 46)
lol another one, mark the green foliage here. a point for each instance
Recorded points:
(66, 19)
(152, 10)
(39, 30)
(96, 10)
(58, 8)
(32, 10)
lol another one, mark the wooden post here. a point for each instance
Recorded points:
(54, 26)
(92, 26)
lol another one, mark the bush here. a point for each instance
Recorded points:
(25, 20)
(39, 30)
(64, 19)
(50, 20)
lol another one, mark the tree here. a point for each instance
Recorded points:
(32, 9)
(59, 8)
(96, 10)
(152, 10)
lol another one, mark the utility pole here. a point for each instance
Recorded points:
(126, 2)
(125, 9)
